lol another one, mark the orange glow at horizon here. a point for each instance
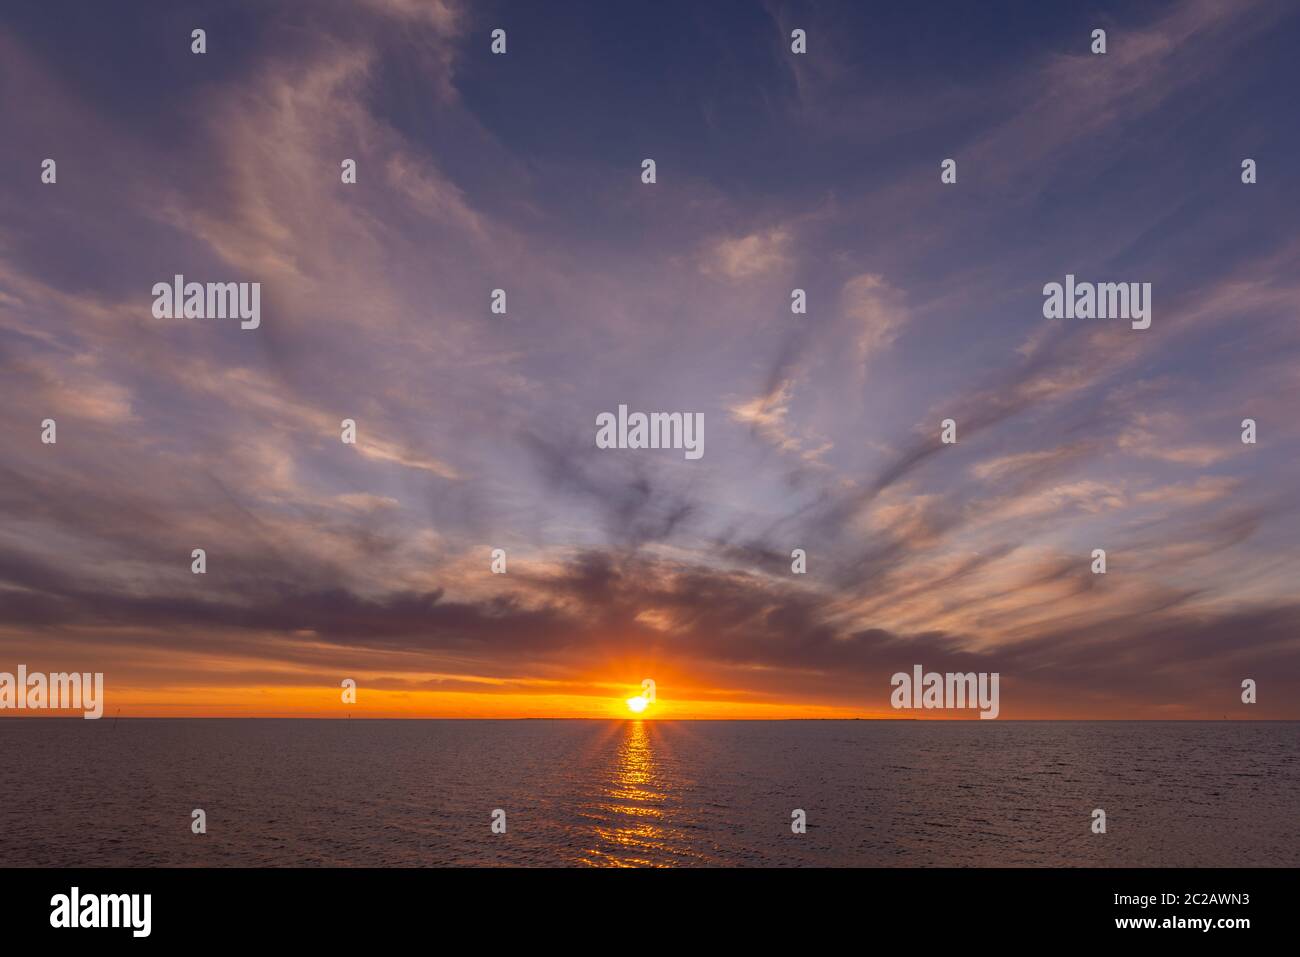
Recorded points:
(296, 701)
(608, 694)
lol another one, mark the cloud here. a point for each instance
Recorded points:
(877, 311)
(1152, 436)
(744, 257)
(767, 415)
(443, 15)
(475, 430)
(708, 621)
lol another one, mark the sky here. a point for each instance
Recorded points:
(774, 171)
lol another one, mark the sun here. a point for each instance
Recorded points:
(638, 704)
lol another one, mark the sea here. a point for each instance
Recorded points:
(648, 793)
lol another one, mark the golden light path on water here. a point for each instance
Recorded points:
(628, 823)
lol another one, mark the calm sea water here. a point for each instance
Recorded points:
(419, 793)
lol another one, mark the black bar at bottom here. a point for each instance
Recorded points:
(926, 906)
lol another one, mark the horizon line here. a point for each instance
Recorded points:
(77, 717)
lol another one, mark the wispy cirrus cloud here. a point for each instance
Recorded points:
(475, 431)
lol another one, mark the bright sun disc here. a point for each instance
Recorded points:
(638, 703)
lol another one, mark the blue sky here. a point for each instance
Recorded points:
(775, 171)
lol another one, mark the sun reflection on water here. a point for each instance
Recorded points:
(629, 821)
